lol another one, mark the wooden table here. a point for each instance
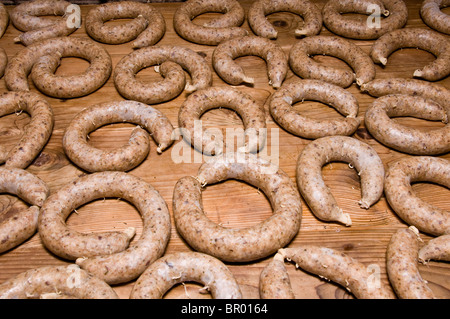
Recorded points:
(232, 203)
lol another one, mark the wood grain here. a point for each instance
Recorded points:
(232, 203)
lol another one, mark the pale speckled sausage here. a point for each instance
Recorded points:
(238, 245)
(336, 266)
(21, 226)
(429, 90)
(274, 281)
(416, 212)
(435, 249)
(338, 148)
(105, 254)
(431, 14)
(216, 31)
(181, 267)
(201, 101)
(36, 133)
(147, 27)
(344, 102)
(378, 120)
(28, 17)
(261, 26)
(4, 19)
(173, 83)
(429, 40)
(127, 157)
(68, 281)
(301, 62)
(3, 61)
(150, 93)
(393, 15)
(20, 66)
(3, 153)
(402, 266)
(4, 22)
(232, 73)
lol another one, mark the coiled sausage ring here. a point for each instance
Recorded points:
(251, 112)
(36, 133)
(392, 15)
(43, 58)
(56, 282)
(125, 158)
(174, 268)
(29, 17)
(238, 245)
(212, 33)
(107, 255)
(146, 28)
(172, 61)
(280, 106)
(30, 188)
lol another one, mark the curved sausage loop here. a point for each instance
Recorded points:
(383, 16)
(402, 265)
(3, 61)
(232, 73)
(437, 248)
(30, 17)
(42, 58)
(127, 157)
(146, 28)
(428, 40)
(198, 103)
(301, 62)
(378, 120)
(406, 204)
(4, 19)
(4, 22)
(326, 263)
(428, 90)
(16, 229)
(238, 245)
(274, 280)
(306, 9)
(217, 30)
(431, 14)
(171, 61)
(56, 282)
(180, 267)
(107, 255)
(37, 132)
(324, 150)
(281, 102)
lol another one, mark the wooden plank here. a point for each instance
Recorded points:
(231, 203)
